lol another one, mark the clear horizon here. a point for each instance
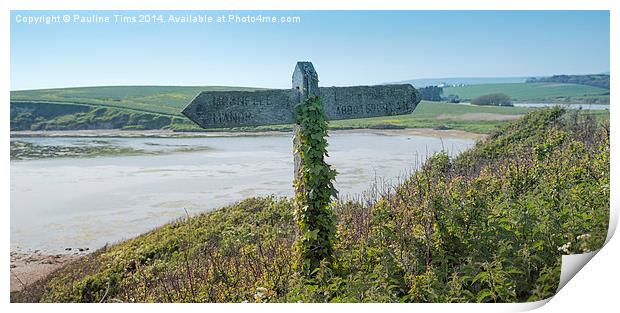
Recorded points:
(346, 47)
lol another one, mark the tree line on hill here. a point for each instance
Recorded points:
(435, 93)
(596, 80)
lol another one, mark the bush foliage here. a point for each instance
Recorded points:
(487, 226)
(499, 99)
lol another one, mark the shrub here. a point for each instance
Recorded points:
(498, 99)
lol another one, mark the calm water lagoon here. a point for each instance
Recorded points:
(74, 203)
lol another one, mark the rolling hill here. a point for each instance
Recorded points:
(534, 92)
(424, 82)
(110, 107)
(154, 99)
(159, 107)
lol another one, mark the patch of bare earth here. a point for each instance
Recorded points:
(27, 268)
(479, 117)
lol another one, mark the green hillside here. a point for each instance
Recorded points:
(535, 92)
(113, 107)
(154, 99)
(439, 115)
(159, 107)
(487, 226)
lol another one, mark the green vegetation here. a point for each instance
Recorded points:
(431, 93)
(477, 119)
(60, 116)
(498, 99)
(426, 115)
(487, 226)
(159, 107)
(22, 150)
(129, 107)
(314, 189)
(596, 80)
(169, 100)
(535, 92)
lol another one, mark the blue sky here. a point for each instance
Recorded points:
(346, 47)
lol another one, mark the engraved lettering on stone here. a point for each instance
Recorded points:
(268, 107)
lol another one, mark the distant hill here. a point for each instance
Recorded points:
(153, 99)
(596, 80)
(109, 107)
(535, 92)
(159, 107)
(424, 82)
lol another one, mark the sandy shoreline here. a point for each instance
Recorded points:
(28, 267)
(453, 133)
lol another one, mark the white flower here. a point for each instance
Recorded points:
(260, 293)
(583, 237)
(565, 248)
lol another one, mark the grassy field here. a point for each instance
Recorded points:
(155, 99)
(157, 107)
(489, 225)
(478, 119)
(535, 92)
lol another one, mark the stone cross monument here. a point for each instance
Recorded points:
(217, 109)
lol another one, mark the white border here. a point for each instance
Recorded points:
(593, 287)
